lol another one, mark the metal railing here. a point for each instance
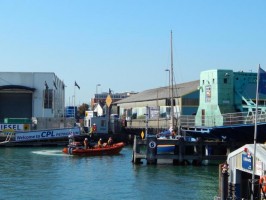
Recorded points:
(223, 120)
(227, 119)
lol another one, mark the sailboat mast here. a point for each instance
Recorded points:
(172, 83)
(255, 136)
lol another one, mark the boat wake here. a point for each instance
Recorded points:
(50, 153)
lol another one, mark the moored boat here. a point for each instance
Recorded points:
(237, 128)
(164, 148)
(76, 149)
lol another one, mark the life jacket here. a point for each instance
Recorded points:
(262, 183)
(94, 128)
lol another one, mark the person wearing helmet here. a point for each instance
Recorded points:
(110, 141)
(100, 143)
(86, 143)
(71, 139)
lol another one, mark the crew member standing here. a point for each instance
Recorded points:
(86, 143)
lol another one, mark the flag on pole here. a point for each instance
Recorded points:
(77, 85)
(55, 85)
(262, 81)
(46, 85)
(261, 89)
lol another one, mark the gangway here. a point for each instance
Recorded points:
(9, 134)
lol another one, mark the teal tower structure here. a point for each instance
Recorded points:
(225, 95)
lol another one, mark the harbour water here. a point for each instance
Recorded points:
(46, 173)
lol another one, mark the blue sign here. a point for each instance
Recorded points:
(70, 111)
(247, 162)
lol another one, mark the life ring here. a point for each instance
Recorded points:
(262, 182)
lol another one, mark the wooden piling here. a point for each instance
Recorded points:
(151, 149)
(136, 150)
(223, 181)
(181, 150)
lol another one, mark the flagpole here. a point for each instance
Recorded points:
(255, 136)
(75, 102)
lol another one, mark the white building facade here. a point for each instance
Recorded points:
(31, 94)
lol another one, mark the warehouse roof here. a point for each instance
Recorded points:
(162, 92)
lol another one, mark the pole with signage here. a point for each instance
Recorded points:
(108, 103)
(146, 121)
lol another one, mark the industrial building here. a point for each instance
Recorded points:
(185, 99)
(31, 95)
(209, 102)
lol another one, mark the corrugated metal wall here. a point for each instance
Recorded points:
(15, 105)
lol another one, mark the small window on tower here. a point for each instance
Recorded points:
(225, 80)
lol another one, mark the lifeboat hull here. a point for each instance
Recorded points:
(96, 151)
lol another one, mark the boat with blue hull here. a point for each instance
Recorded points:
(239, 129)
(240, 133)
(165, 148)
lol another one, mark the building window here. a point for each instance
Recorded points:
(225, 80)
(48, 98)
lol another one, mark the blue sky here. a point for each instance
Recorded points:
(125, 44)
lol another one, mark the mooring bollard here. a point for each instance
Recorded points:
(151, 149)
(224, 182)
